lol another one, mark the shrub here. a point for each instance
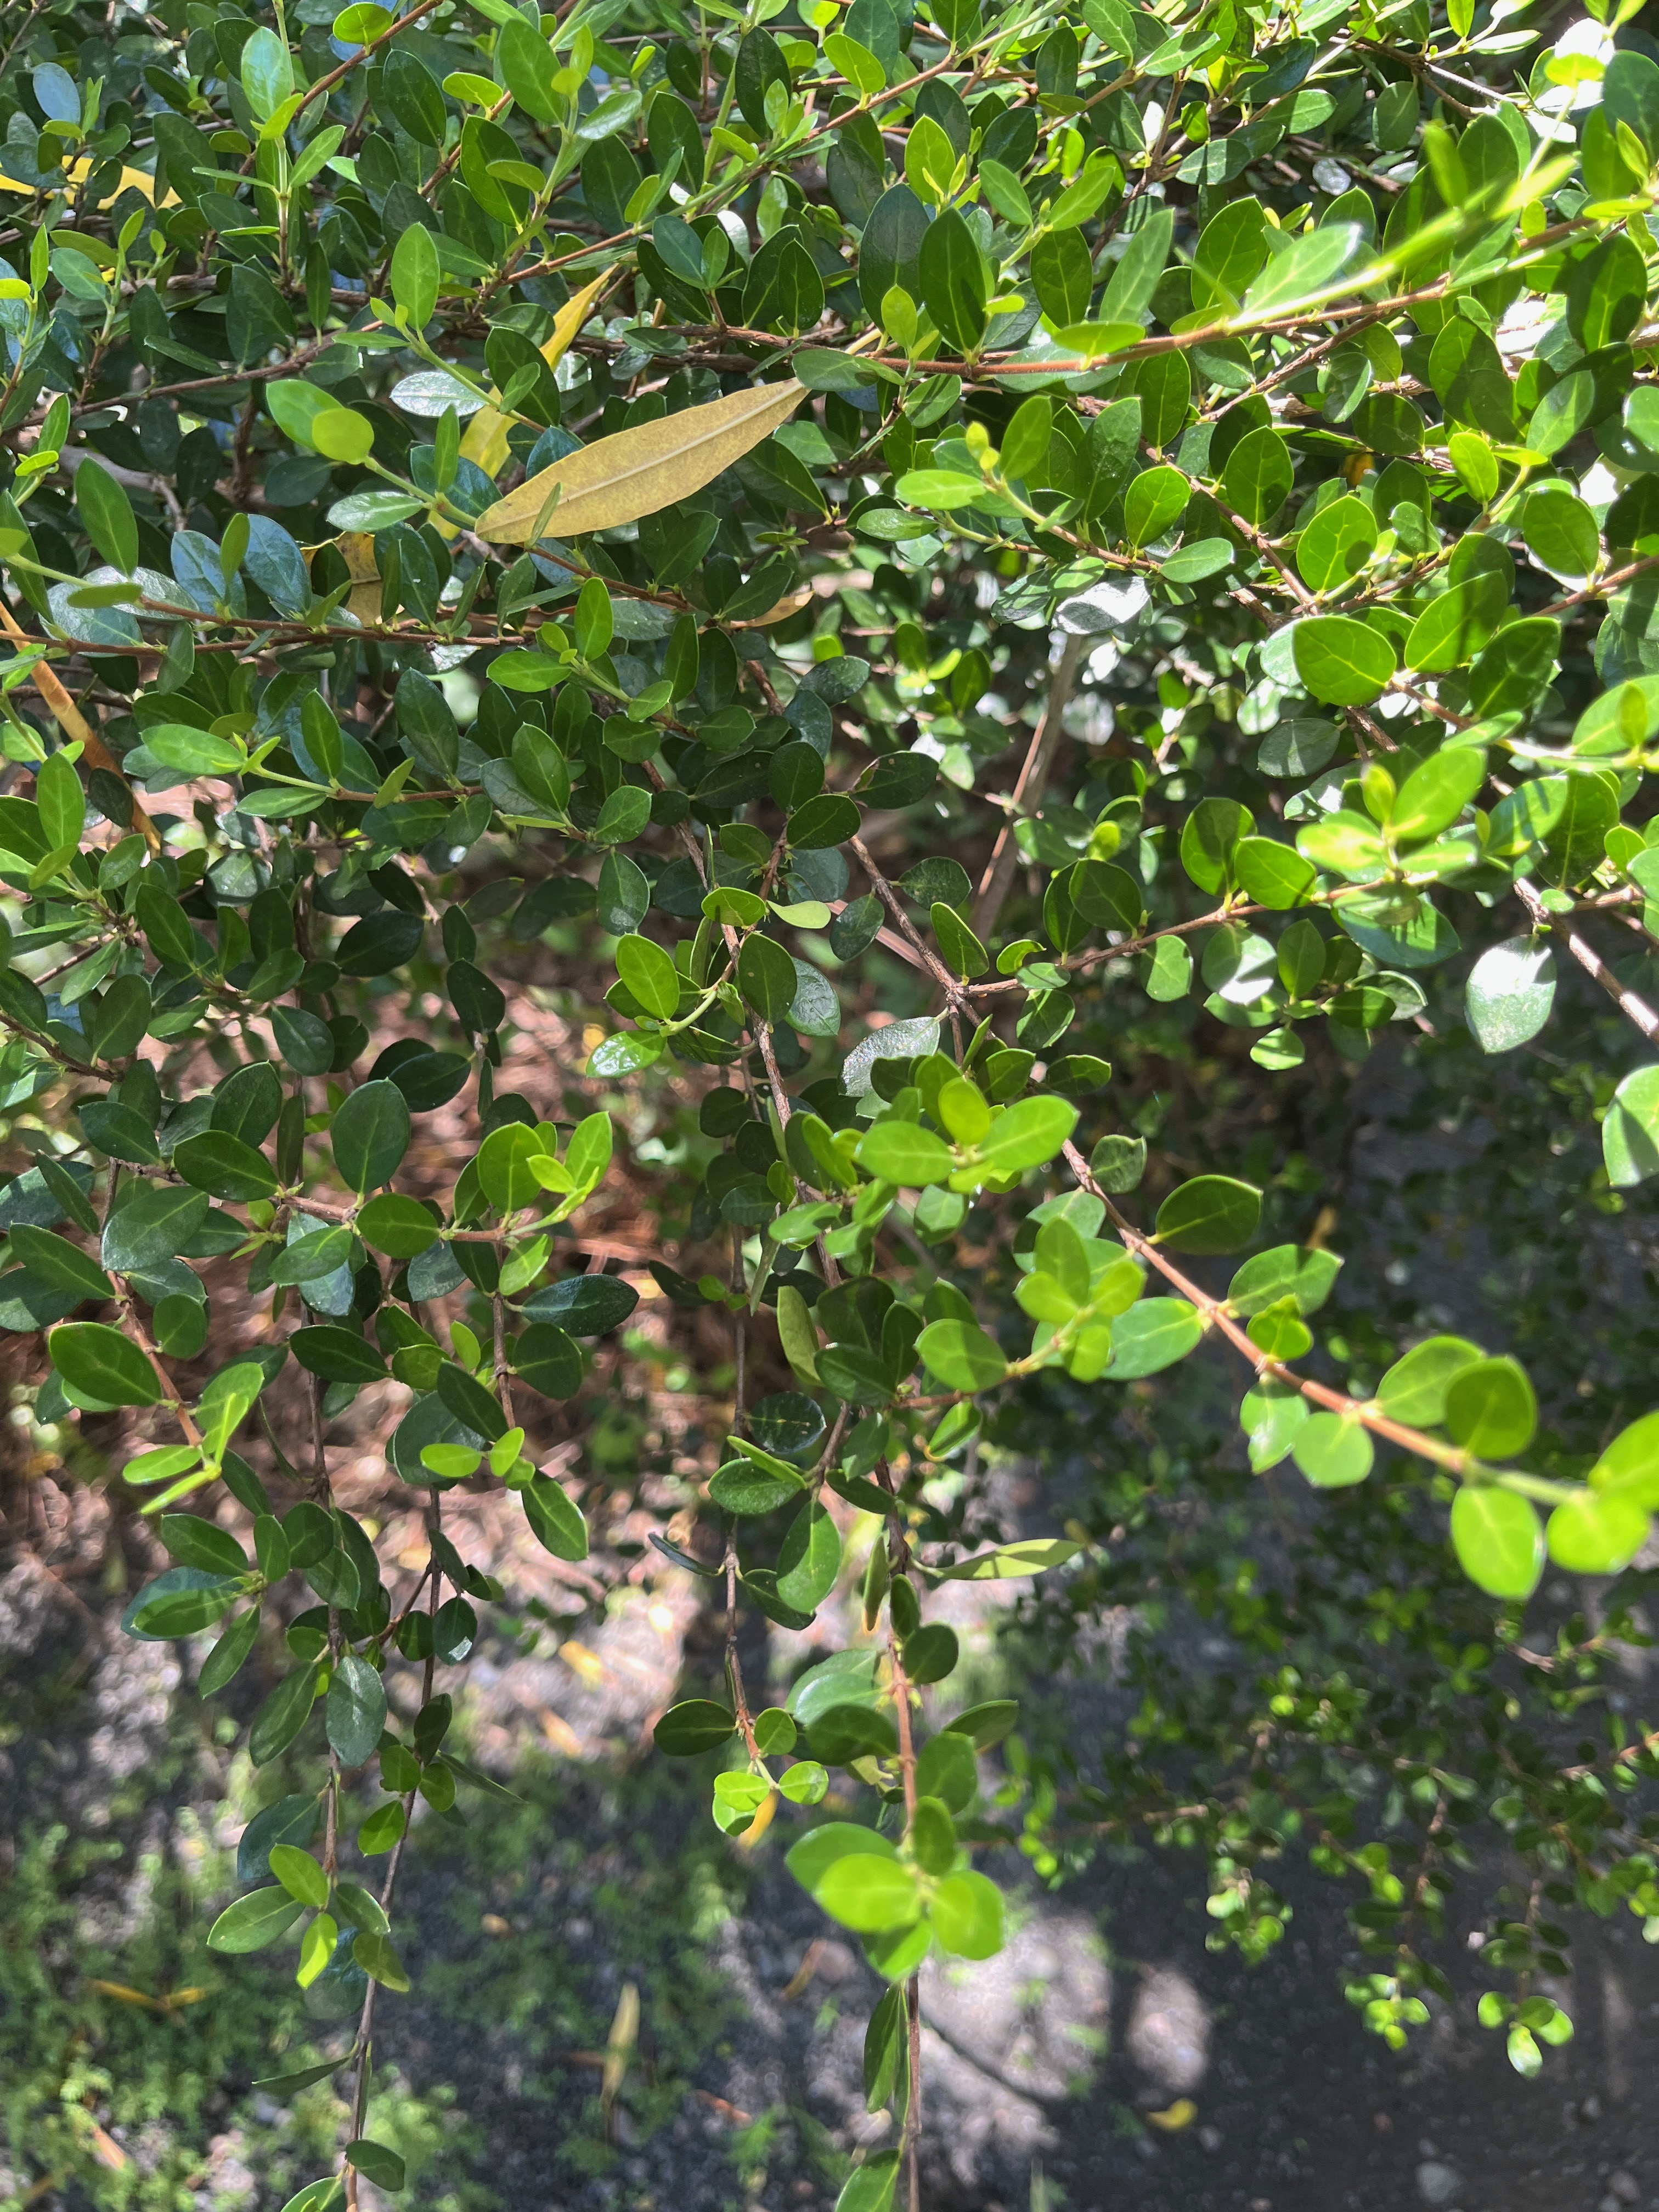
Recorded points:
(935, 548)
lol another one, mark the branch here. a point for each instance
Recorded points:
(74, 725)
(1027, 792)
(1634, 1009)
(1365, 1411)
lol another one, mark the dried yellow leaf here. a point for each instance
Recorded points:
(642, 470)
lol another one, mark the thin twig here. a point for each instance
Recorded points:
(1028, 789)
(1634, 1008)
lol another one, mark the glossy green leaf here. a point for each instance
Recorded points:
(253, 1920)
(1343, 663)
(1212, 1213)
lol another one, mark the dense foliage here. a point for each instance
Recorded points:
(934, 544)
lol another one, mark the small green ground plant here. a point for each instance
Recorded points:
(471, 473)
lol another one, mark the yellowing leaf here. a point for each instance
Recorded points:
(757, 1827)
(485, 439)
(780, 611)
(624, 2035)
(1173, 2117)
(642, 470)
(134, 179)
(126, 1996)
(587, 1664)
(357, 550)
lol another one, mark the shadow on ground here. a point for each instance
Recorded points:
(1107, 2062)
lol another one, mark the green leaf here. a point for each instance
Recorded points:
(1208, 837)
(650, 974)
(373, 1952)
(106, 515)
(1333, 1451)
(1272, 874)
(809, 1559)
(400, 1227)
(300, 1875)
(623, 816)
(1152, 1335)
(470, 1403)
(868, 1895)
(555, 1523)
(1491, 1410)
(415, 275)
(267, 73)
(1453, 627)
(901, 1152)
(172, 939)
(281, 1717)
(1345, 843)
(585, 1305)
(54, 1260)
(181, 1603)
(58, 796)
(103, 1365)
(766, 977)
(1629, 1468)
(1290, 1270)
(1560, 532)
(1212, 1213)
(376, 2163)
(1433, 796)
(1030, 1555)
(963, 954)
(1309, 268)
(1155, 502)
(696, 1725)
(869, 2187)
(354, 1710)
(339, 1355)
(195, 1541)
(1027, 1135)
(1630, 1132)
(1342, 662)
(1258, 475)
(1596, 1534)
(290, 1821)
(1498, 1540)
(955, 286)
(229, 1655)
(507, 1169)
(1135, 274)
(224, 1166)
(1510, 994)
(823, 822)
(961, 1356)
(966, 1910)
(1336, 544)
(1413, 1391)
(370, 1135)
(254, 1921)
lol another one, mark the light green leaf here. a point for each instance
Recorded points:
(1498, 1540)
